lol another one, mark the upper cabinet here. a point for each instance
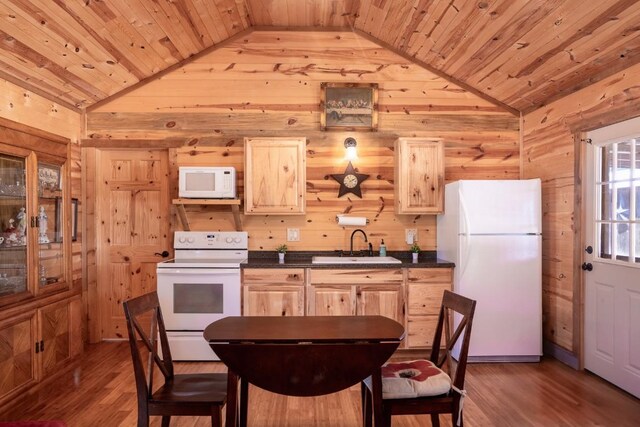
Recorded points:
(275, 176)
(419, 176)
(35, 223)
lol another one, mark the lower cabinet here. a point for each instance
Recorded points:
(412, 297)
(368, 293)
(273, 292)
(38, 344)
(425, 287)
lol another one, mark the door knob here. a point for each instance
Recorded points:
(589, 249)
(164, 254)
(587, 266)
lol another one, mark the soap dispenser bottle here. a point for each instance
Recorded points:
(383, 249)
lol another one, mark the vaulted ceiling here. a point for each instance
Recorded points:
(522, 53)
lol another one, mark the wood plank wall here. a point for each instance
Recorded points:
(551, 153)
(268, 84)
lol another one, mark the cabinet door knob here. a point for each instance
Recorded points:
(164, 254)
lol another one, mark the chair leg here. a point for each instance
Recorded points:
(435, 420)
(366, 406)
(166, 420)
(216, 417)
(244, 402)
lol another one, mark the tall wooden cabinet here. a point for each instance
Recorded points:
(419, 176)
(275, 176)
(40, 311)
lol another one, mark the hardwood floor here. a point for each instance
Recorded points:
(101, 393)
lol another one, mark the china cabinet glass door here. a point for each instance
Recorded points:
(13, 226)
(50, 223)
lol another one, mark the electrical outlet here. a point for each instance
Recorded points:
(411, 235)
(293, 234)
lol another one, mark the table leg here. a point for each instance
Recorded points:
(244, 402)
(379, 419)
(232, 399)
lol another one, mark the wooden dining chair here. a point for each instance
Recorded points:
(197, 394)
(434, 386)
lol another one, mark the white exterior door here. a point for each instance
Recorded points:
(612, 269)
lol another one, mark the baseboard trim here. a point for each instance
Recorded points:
(563, 355)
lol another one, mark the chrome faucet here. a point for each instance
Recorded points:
(352, 234)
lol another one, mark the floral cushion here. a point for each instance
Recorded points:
(402, 380)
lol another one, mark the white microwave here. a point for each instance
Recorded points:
(207, 182)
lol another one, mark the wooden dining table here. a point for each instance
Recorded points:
(301, 356)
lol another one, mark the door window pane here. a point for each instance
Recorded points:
(618, 201)
(622, 241)
(605, 241)
(606, 154)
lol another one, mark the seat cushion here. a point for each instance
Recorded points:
(402, 380)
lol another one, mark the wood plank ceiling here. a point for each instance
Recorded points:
(523, 53)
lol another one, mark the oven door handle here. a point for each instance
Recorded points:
(197, 271)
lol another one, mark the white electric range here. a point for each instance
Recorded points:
(199, 286)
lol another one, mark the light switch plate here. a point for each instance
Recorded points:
(411, 235)
(293, 234)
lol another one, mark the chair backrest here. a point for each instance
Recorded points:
(445, 338)
(136, 311)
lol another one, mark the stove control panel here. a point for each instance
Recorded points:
(210, 240)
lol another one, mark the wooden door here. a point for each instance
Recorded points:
(332, 300)
(419, 176)
(275, 176)
(17, 355)
(383, 300)
(132, 211)
(612, 264)
(55, 351)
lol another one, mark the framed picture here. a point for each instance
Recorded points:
(349, 106)
(59, 218)
(49, 177)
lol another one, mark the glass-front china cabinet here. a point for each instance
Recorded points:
(34, 224)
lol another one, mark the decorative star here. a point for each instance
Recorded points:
(350, 181)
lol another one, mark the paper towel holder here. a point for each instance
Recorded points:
(338, 218)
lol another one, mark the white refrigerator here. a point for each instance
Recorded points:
(491, 230)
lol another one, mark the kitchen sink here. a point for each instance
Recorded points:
(355, 260)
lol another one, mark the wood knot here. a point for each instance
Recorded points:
(170, 124)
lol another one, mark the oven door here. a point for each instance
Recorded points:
(192, 298)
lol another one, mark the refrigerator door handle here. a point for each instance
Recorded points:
(464, 247)
(464, 252)
(463, 215)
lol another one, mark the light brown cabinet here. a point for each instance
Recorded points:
(273, 292)
(275, 176)
(38, 344)
(40, 309)
(368, 293)
(425, 287)
(419, 176)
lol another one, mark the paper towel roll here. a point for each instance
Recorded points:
(352, 220)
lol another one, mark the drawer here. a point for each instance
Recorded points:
(430, 275)
(420, 331)
(355, 276)
(425, 298)
(266, 276)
